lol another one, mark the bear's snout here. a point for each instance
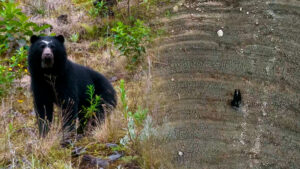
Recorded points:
(47, 58)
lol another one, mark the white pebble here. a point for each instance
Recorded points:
(175, 8)
(247, 13)
(180, 153)
(220, 33)
(172, 79)
(241, 8)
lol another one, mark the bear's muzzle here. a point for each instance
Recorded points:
(47, 58)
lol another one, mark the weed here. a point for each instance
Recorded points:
(94, 101)
(11, 69)
(15, 27)
(168, 14)
(91, 31)
(134, 120)
(74, 37)
(130, 40)
(100, 9)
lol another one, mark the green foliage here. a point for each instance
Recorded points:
(134, 120)
(12, 68)
(129, 159)
(123, 98)
(15, 30)
(168, 14)
(74, 37)
(100, 9)
(139, 116)
(118, 148)
(130, 40)
(94, 101)
(91, 30)
(15, 27)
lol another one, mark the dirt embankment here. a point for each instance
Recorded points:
(259, 53)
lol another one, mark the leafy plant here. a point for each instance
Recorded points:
(15, 30)
(15, 27)
(12, 68)
(90, 30)
(6, 78)
(94, 101)
(74, 37)
(134, 120)
(99, 9)
(130, 40)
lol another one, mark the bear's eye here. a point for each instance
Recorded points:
(43, 45)
(51, 46)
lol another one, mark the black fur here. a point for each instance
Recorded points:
(237, 98)
(64, 83)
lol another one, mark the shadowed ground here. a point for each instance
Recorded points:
(258, 54)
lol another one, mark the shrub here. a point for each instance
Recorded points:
(135, 121)
(130, 40)
(94, 101)
(15, 30)
(74, 37)
(100, 9)
(12, 68)
(15, 27)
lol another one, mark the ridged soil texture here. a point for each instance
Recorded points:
(197, 69)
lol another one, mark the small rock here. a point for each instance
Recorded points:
(220, 33)
(175, 8)
(113, 79)
(114, 157)
(241, 8)
(92, 162)
(180, 153)
(172, 79)
(78, 151)
(247, 13)
(111, 145)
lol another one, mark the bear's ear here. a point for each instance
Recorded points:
(34, 38)
(60, 38)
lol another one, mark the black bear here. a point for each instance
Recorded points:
(237, 98)
(57, 80)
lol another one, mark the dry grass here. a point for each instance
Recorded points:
(21, 145)
(111, 129)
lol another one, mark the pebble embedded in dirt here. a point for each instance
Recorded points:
(180, 153)
(220, 33)
(175, 8)
(93, 162)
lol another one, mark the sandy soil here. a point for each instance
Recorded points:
(259, 53)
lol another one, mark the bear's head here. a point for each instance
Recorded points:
(47, 53)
